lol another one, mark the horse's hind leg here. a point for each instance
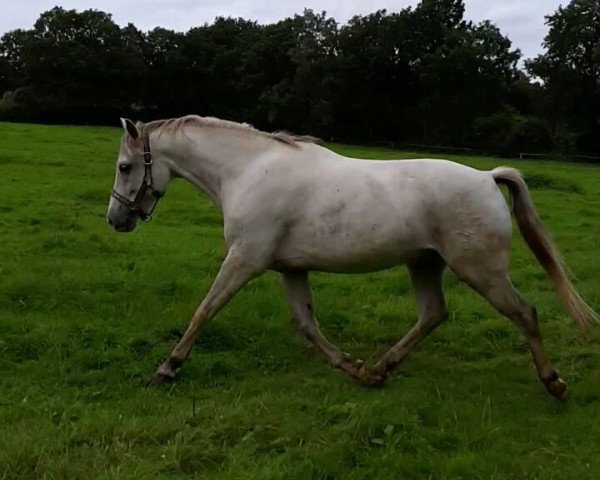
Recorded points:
(301, 304)
(426, 275)
(495, 286)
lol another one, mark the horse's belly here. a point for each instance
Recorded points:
(335, 265)
(339, 254)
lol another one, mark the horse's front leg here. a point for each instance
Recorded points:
(426, 274)
(301, 304)
(235, 272)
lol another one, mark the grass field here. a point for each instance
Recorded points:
(86, 315)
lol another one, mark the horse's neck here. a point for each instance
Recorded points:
(211, 158)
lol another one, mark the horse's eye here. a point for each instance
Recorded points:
(124, 168)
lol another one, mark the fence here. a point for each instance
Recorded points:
(548, 156)
(487, 153)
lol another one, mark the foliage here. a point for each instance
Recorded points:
(421, 74)
(570, 70)
(494, 131)
(508, 133)
(530, 135)
(86, 314)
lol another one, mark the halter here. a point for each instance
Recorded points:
(135, 204)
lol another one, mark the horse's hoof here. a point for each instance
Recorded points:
(160, 378)
(557, 387)
(351, 367)
(371, 379)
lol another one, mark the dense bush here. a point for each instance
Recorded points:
(494, 132)
(530, 135)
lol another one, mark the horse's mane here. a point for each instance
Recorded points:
(176, 124)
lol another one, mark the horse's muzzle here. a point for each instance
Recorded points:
(128, 225)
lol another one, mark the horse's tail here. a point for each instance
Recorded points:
(541, 245)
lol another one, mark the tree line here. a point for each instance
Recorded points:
(423, 75)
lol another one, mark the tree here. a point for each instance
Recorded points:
(76, 66)
(166, 67)
(570, 72)
(465, 77)
(299, 97)
(422, 74)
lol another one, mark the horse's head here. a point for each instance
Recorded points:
(140, 180)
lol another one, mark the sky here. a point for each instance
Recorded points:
(521, 20)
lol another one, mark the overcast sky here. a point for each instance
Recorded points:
(521, 20)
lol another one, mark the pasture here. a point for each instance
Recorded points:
(86, 315)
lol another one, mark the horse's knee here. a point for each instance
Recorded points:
(307, 331)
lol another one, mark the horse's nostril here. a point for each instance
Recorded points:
(109, 221)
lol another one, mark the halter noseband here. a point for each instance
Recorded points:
(135, 204)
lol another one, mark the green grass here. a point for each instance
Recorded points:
(86, 315)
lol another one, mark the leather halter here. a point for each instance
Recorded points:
(135, 204)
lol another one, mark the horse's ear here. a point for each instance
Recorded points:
(130, 128)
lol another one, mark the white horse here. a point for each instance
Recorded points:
(292, 206)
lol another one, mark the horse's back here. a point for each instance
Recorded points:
(357, 215)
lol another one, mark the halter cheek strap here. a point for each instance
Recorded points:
(135, 205)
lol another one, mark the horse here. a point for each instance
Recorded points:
(293, 206)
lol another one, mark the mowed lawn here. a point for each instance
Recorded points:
(86, 314)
